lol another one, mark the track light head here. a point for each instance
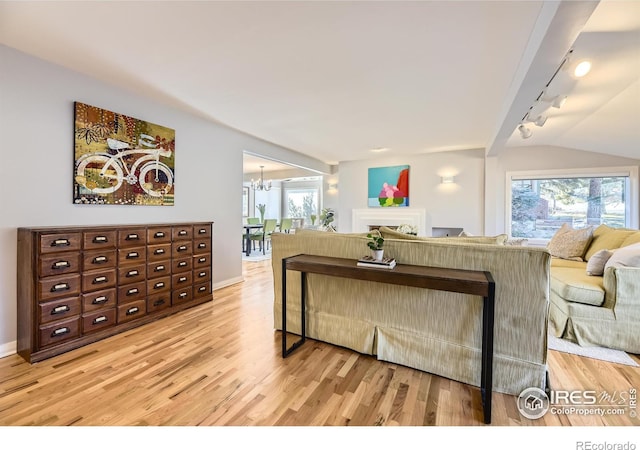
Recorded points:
(525, 132)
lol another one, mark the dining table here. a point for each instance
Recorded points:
(248, 228)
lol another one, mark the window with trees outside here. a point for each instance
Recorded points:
(539, 205)
(302, 199)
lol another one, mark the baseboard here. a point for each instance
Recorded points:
(10, 348)
(228, 282)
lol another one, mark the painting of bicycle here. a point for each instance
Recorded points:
(120, 160)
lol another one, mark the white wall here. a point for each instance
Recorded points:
(535, 158)
(36, 172)
(460, 204)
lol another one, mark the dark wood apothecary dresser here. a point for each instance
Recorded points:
(78, 285)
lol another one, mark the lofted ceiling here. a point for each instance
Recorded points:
(335, 79)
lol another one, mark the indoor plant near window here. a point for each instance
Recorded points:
(262, 208)
(376, 244)
(326, 217)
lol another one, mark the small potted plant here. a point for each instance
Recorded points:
(375, 244)
(261, 208)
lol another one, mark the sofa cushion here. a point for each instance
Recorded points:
(633, 238)
(595, 266)
(389, 233)
(568, 243)
(574, 285)
(559, 262)
(628, 256)
(605, 237)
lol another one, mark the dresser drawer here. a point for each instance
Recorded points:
(98, 259)
(181, 295)
(132, 237)
(132, 292)
(131, 311)
(132, 255)
(61, 331)
(201, 290)
(99, 239)
(181, 264)
(158, 252)
(132, 274)
(58, 309)
(98, 279)
(60, 242)
(98, 320)
(59, 263)
(201, 246)
(180, 280)
(201, 275)
(158, 269)
(182, 232)
(158, 235)
(99, 300)
(200, 261)
(157, 302)
(202, 230)
(63, 286)
(158, 285)
(181, 249)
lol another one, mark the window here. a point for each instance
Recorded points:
(538, 204)
(302, 198)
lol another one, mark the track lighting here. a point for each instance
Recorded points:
(525, 131)
(557, 101)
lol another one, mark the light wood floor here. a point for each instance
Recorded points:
(220, 364)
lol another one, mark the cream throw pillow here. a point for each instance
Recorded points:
(595, 266)
(628, 256)
(568, 243)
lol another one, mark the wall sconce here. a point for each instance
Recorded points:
(448, 179)
(333, 186)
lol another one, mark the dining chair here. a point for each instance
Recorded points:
(285, 224)
(250, 221)
(264, 237)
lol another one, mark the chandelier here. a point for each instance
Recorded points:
(260, 184)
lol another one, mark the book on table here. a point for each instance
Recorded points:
(370, 261)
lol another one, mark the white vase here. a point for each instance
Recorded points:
(377, 254)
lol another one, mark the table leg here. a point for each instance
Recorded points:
(303, 279)
(248, 243)
(486, 374)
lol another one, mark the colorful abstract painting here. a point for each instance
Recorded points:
(389, 186)
(120, 160)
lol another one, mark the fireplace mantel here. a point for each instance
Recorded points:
(361, 219)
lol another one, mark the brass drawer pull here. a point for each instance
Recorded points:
(61, 265)
(60, 243)
(99, 319)
(98, 280)
(159, 234)
(61, 287)
(158, 285)
(100, 239)
(132, 237)
(158, 269)
(132, 273)
(158, 302)
(159, 251)
(133, 310)
(60, 309)
(182, 295)
(182, 248)
(132, 291)
(99, 300)
(182, 233)
(100, 259)
(182, 264)
(132, 255)
(61, 331)
(203, 259)
(182, 279)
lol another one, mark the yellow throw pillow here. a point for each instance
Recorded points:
(606, 237)
(568, 243)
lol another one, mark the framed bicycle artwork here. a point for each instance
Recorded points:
(120, 160)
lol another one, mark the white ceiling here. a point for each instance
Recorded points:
(334, 79)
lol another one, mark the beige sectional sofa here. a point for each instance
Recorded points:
(599, 310)
(433, 331)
